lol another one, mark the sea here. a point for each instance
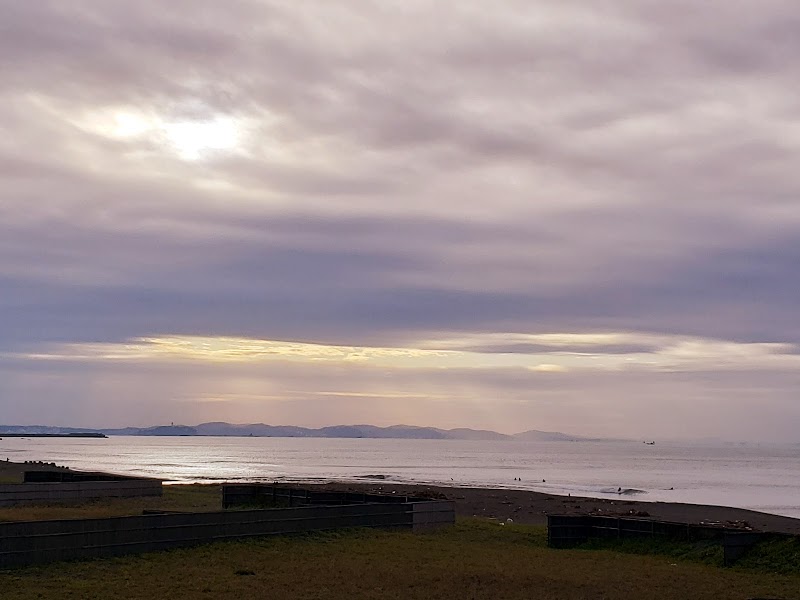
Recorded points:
(763, 477)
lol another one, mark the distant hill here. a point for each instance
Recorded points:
(474, 434)
(162, 430)
(252, 429)
(405, 432)
(220, 428)
(550, 436)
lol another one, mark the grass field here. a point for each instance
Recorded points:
(474, 559)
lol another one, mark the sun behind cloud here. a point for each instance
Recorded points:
(187, 138)
(191, 140)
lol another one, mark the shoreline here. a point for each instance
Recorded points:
(521, 506)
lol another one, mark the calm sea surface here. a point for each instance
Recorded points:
(760, 477)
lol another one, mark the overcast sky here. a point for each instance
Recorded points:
(558, 215)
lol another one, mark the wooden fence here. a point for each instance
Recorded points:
(36, 542)
(567, 531)
(426, 513)
(257, 494)
(14, 494)
(60, 476)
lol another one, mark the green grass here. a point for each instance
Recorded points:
(475, 559)
(777, 555)
(704, 552)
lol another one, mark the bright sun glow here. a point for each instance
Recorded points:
(190, 140)
(130, 125)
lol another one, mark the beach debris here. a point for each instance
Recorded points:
(509, 520)
(738, 524)
(244, 572)
(431, 495)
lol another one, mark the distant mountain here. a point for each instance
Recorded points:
(252, 429)
(475, 434)
(220, 428)
(549, 436)
(544, 436)
(407, 432)
(334, 431)
(163, 430)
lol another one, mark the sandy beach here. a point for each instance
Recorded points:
(529, 507)
(533, 507)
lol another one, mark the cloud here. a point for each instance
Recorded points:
(555, 353)
(379, 175)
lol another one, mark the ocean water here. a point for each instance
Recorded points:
(762, 477)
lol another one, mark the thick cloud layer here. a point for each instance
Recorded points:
(385, 174)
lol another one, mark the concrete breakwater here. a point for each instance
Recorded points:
(54, 435)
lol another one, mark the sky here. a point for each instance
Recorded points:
(536, 214)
